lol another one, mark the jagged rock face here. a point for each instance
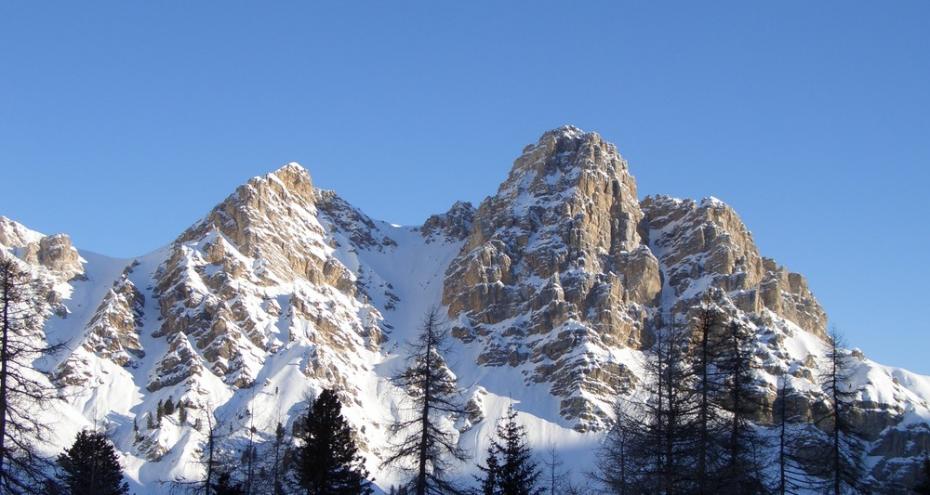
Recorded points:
(261, 262)
(112, 333)
(51, 262)
(553, 270)
(555, 285)
(53, 252)
(453, 224)
(706, 244)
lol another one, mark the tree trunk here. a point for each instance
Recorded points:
(424, 415)
(7, 284)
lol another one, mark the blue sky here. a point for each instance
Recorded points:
(123, 122)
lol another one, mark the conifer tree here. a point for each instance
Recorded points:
(22, 469)
(277, 469)
(226, 486)
(554, 475)
(792, 476)
(490, 484)
(706, 383)
(655, 442)
(91, 467)
(328, 462)
(426, 447)
(845, 450)
(741, 470)
(168, 407)
(511, 469)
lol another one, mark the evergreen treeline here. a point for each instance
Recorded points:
(693, 429)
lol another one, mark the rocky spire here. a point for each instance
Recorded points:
(554, 271)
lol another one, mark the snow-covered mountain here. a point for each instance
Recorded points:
(552, 286)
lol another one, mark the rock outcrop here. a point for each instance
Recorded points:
(554, 273)
(555, 289)
(260, 262)
(705, 244)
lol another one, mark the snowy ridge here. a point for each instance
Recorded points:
(553, 288)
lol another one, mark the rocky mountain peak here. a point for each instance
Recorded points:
(554, 271)
(53, 252)
(15, 235)
(555, 289)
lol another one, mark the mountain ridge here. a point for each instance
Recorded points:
(552, 286)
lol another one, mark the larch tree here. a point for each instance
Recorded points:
(23, 391)
(426, 448)
(844, 465)
(651, 445)
(741, 470)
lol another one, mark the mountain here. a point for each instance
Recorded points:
(553, 288)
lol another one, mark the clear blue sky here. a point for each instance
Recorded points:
(122, 122)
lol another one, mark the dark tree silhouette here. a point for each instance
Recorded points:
(555, 477)
(651, 446)
(741, 470)
(517, 472)
(489, 483)
(705, 353)
(791, 474)
(91, 467)
(690, 431)
(22, 470)
(226, 486)
(923, 484)
(844, 465)
(277, 461)
(425, 447)
(328, 462)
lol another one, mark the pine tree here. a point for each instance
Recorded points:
(91, 467)
(706, 384)
(653, 444)
(149, 422)
(489, 483)
(328, 462)
(741, 471)
(277, 469)
(845, 450)
(791, 474)
(182, 412)
(168, 407)
(22, 469)
(517, 473)
(555, 477)
(226, 486)
(426, 446)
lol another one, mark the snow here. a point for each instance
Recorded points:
(287, 358)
